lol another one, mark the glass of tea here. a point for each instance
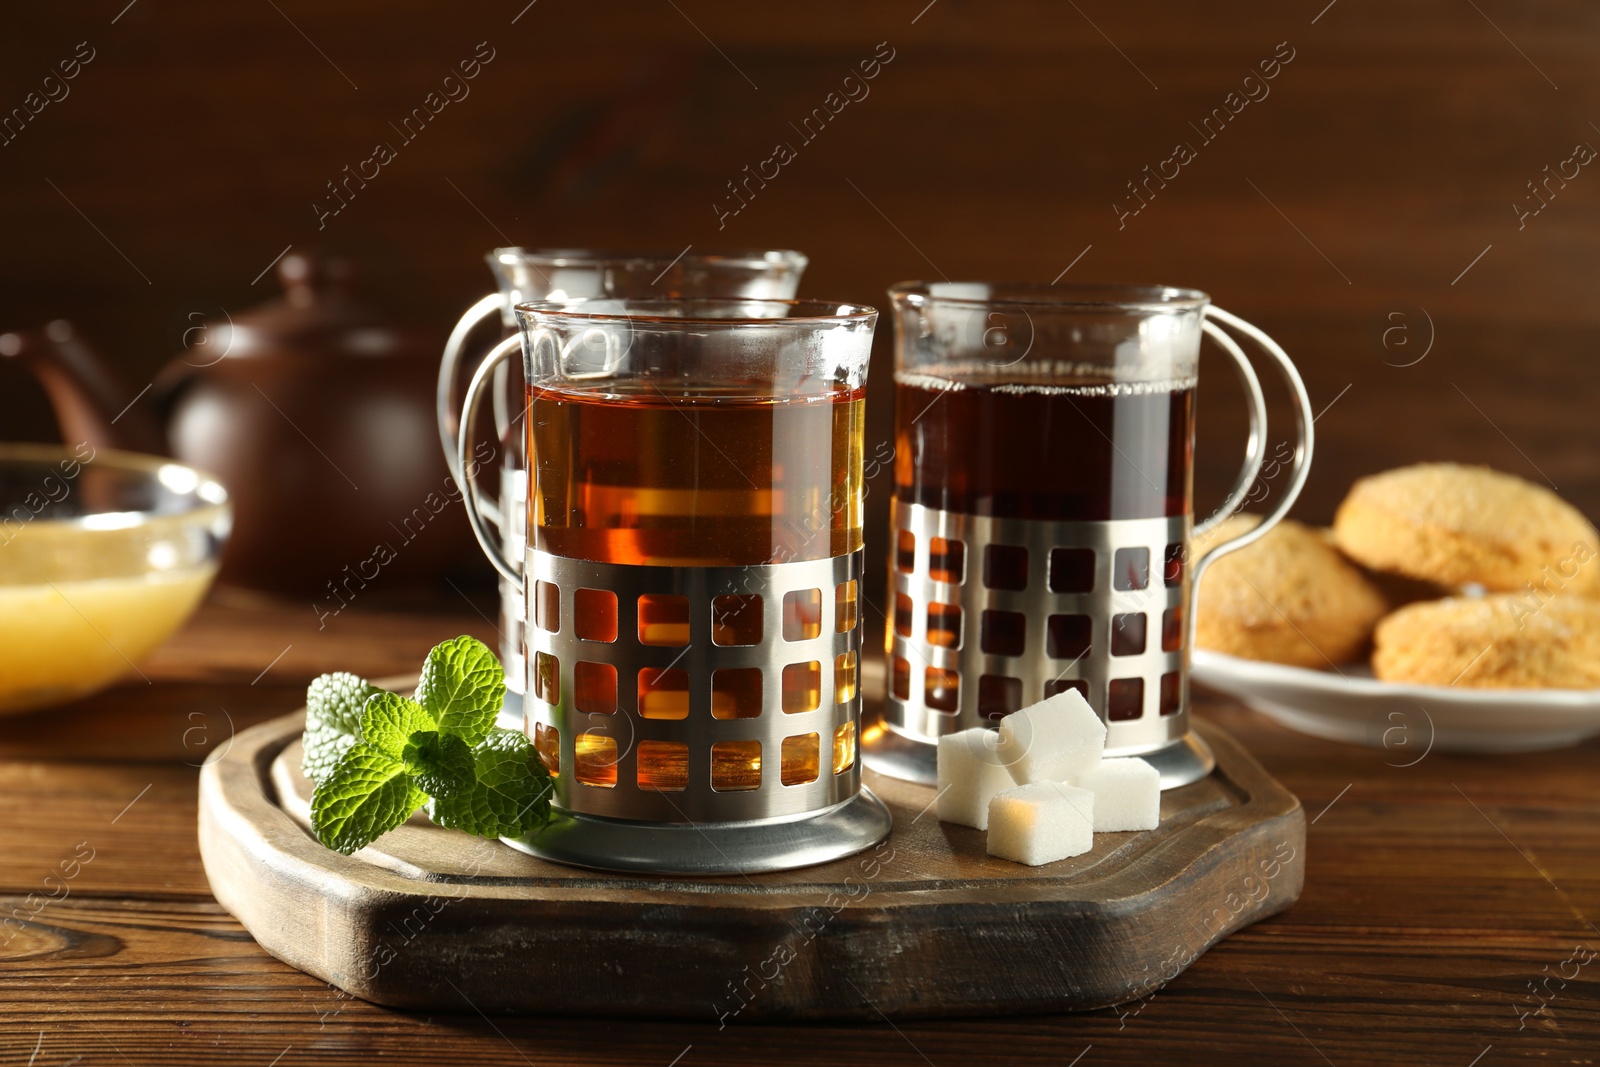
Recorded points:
(1044, 443)
(692, 572)
(573, 274)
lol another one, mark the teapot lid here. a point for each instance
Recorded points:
(317, 316)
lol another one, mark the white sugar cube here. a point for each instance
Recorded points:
(1127, 794)
(970, 772)
(1041, 823)
(1054, 740)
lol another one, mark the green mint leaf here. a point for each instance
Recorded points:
(462, 686)
(441, 764)
(333, 720)
(324, 748)
(376, 756)
(366, 795)
(334, 702)
(511, 797)
(389, 722)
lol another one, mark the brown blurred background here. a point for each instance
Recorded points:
(1371, 191)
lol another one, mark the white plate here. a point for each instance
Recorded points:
(1407, 720)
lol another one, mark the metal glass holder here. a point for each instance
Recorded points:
(700, 720)
(990, 615)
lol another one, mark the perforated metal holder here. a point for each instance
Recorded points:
(513, 538)
(989, 615)
(721, 740)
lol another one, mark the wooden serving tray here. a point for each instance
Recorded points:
(926, 924)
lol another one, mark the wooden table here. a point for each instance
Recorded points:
(1436, 896)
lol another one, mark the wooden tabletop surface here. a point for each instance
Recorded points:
(1447, 916)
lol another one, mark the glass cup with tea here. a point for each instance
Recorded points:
(1043, 517)
(575, 274)
(691, 571)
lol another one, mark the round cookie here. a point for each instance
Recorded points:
(1288, 598)
(1494, 642)
(1457, 525)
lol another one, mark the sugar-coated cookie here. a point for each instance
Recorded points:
(1504, 641)
(1457, 525)
(1288, 598)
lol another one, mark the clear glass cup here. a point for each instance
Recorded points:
(691, 571)
(1043, 515)
(523, 274)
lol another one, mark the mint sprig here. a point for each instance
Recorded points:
(376, 757)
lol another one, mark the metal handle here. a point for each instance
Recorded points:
(488, 540)
(447, 404)
(1255, 448)
(1258, 420)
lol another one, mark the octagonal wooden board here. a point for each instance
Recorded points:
(926, 924)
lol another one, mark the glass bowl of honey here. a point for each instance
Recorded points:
(103, 555)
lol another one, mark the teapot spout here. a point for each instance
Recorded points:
(91, 401)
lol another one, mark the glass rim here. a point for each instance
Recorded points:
(202, 493)
(812, 312)
(664, 259)
(1083, 295)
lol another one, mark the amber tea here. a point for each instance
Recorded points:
(699, 476)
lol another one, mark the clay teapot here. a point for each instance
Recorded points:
(317, 415)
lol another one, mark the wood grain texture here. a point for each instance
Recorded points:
(183, 984)
(1414, 941)
(925, 924)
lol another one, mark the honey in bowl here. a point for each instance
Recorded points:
(102, 556)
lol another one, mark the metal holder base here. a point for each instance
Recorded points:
(1187, 760)
(888, 752)
(711, 848)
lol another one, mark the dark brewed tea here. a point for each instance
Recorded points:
(709, 479)
(1078, 448)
